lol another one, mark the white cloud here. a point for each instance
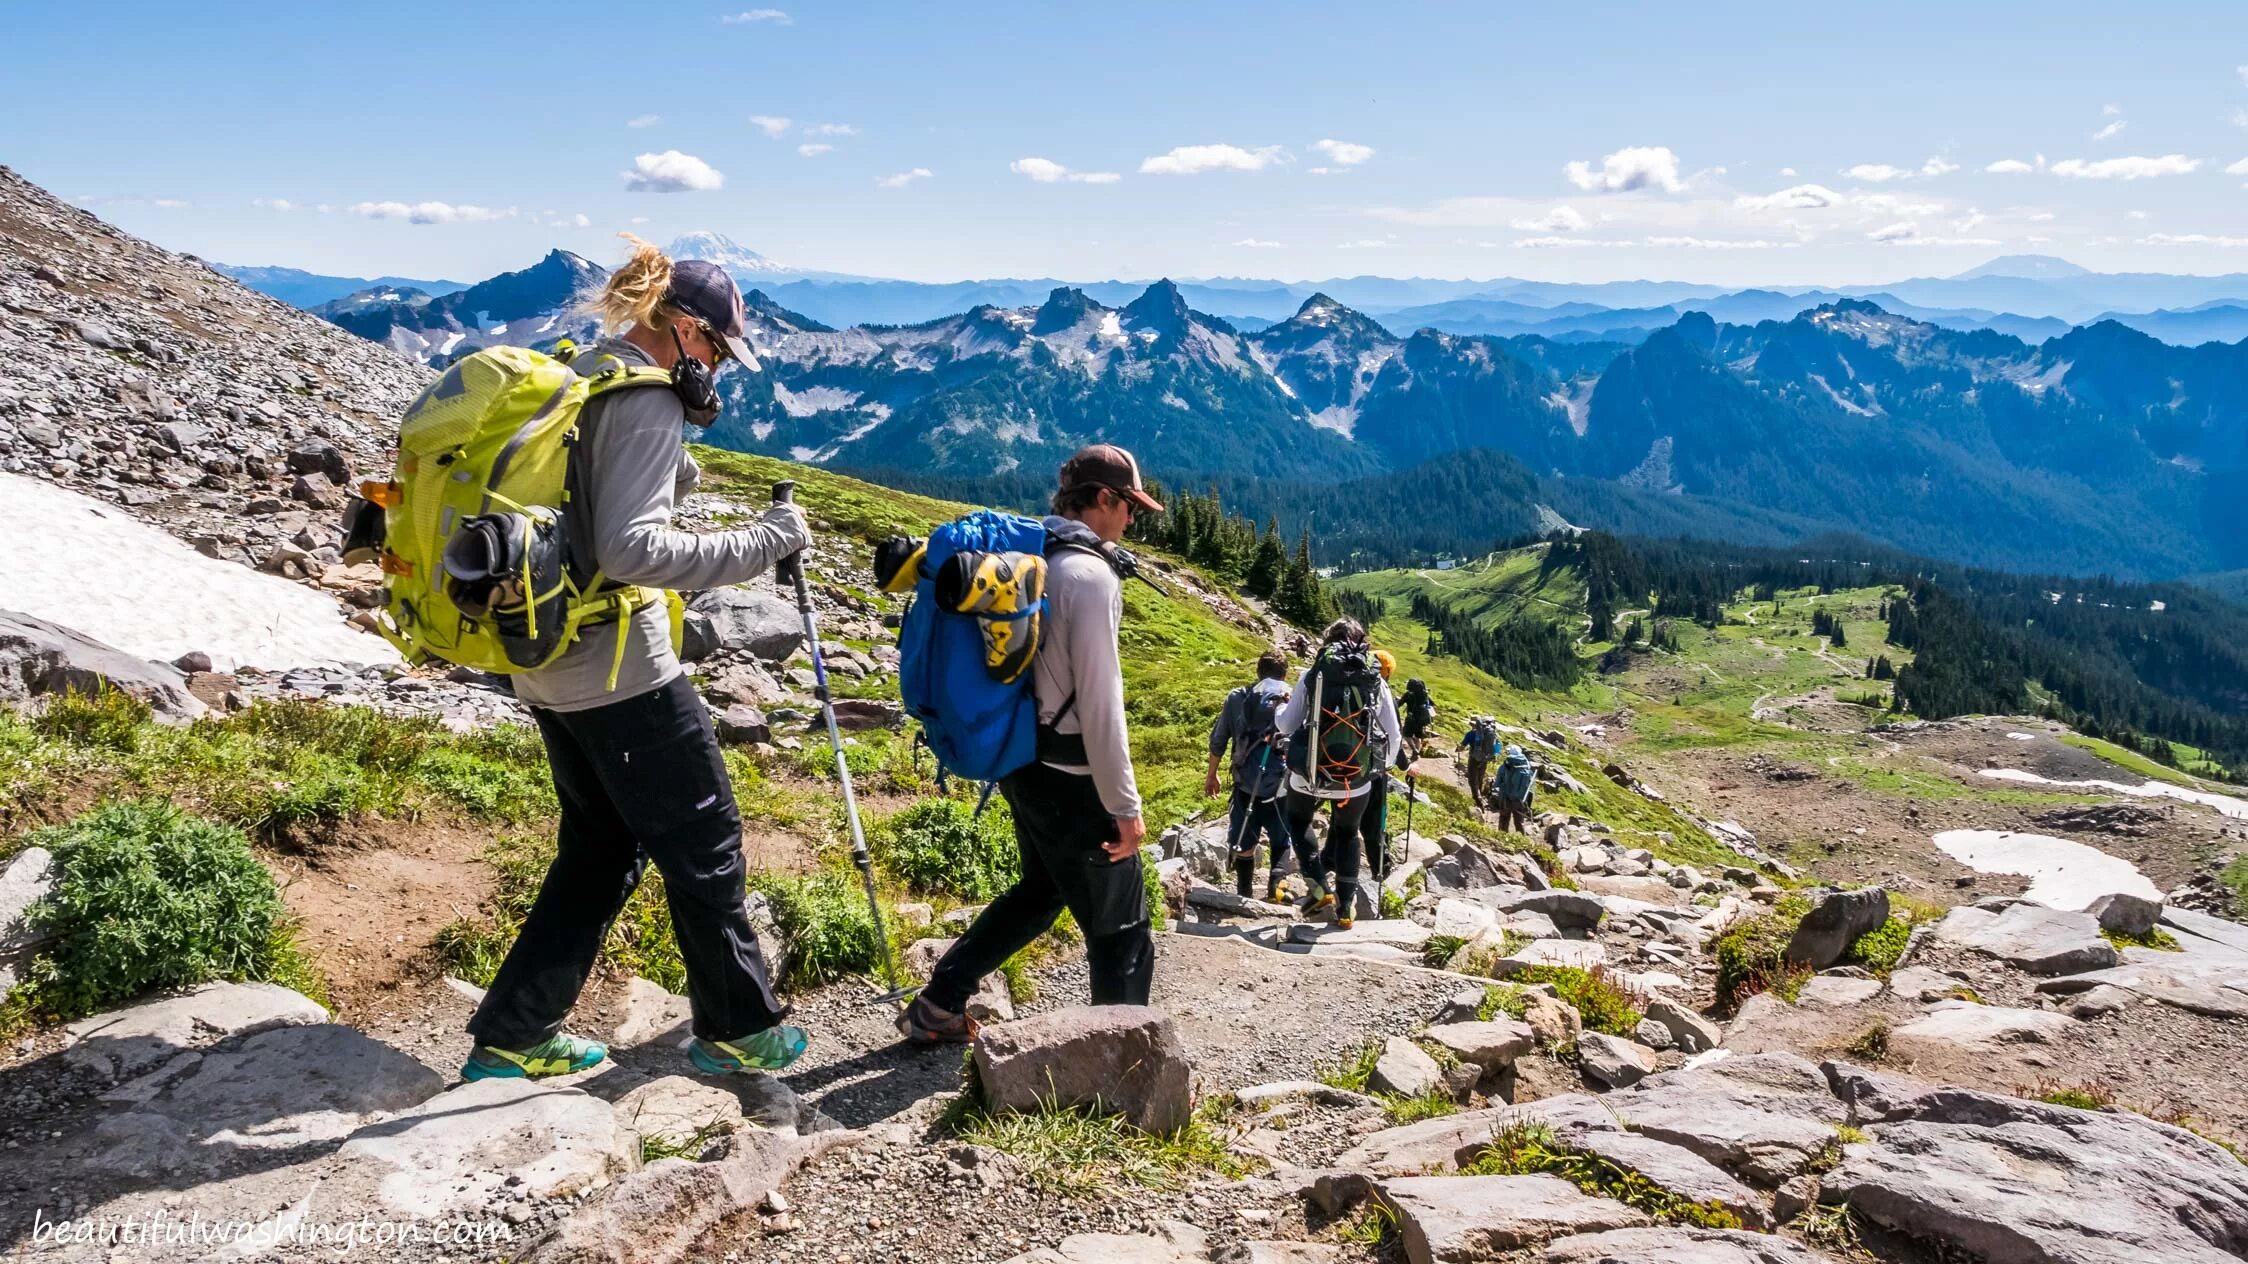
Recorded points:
(1254, 243)
(1343, 153)
(770, 124)
(1564, 243)
(2111, 109)
(1801, 197)
(904, 178)
(638, 219)
(2015, 166)
(2238, 169)
(1193, 160)
(2111, 131)
(324, 208)
(1626, 170)
(2133, 168)
(2041, 217)
(1938, 165)
(831, 129)
(283, 205)
(429, 212)
(172, 204)
(1368, 243)
(671, 172)
(748, 16)
(645, 120)
(2242, 71)
(1900, 231)
(1704, 243)
(813, 151)
(2191, 239)
(1968, 222)
(1561, 219)
(1876, 172)
(1909, 234)
(581, 221)
(1047, 171)
(2240, 118)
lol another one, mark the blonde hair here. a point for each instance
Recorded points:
(634, 293)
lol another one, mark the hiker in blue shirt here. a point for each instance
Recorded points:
(1246, 723)
(1517, 782)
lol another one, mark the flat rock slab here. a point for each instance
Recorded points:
(128, 1041)
(1828, 991)
(279, 1089)
(2031, 937)
(1762, 1117)
(677, 1107)
(1580, 954)
(1405, 1069)
(1679, 1246)
(1675, 1168)
(1174, 1242)
(1463, 919)
(1453, 1141)
(1570, 910)
(1489, 1045)
(1916, 983)
(652, 1016)
(2217, 989)
(2016, 1182)
(454, 1152)
(1397, 933)
(1964, 1024)
(1126, 1058)
(1474, 1219)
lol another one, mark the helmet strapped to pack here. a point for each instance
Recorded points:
(472, 529)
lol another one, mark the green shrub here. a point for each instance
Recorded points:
(2157, 938)
(1438, 949)
(149, 897)
(939, 847)
(1751, 957)
(107, 718)
(1506, 1000)
(824, 921)
(1601, 999)
(1878, 949)
(1354, 1072)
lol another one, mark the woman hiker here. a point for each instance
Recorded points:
(635, 762)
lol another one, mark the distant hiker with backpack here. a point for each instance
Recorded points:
(1416, 714)
(1481, 744)
(1374, 831)
(1248, 723)
(635, 762)
(1517, 782)
(1075, 803)
(1341, 726)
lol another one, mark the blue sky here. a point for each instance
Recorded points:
(1724, 142)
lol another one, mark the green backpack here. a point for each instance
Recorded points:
(470, 533)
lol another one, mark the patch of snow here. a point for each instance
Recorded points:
(801, 453)
(813, 399)
(227, 610)
(761, 430)
(2062, 874)
(497, 330)
(1575, 400)
(1112, 326)
(2022, 737)
(1285, 389)
(1835, 395)
(451, 341)
(2225, 803)
(1340, 418)
(850, 437)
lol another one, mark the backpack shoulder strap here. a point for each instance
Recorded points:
(620, 375)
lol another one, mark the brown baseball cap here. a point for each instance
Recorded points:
(1106, 465)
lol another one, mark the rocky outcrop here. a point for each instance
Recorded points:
(39, 658)
(1122, 1058)
(2031, 937)
(1835, 923)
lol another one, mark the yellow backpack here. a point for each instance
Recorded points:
(483, 471)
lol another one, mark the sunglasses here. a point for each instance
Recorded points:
(720, 353)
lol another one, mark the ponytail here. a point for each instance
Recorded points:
(634, 293)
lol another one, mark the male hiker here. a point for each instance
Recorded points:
(1481, 743)
(1076, 807)
(1341, 727)
(1260, 769)
(1517, 780)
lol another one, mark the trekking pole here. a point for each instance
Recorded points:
(791, 569)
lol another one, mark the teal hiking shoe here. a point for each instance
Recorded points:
(556, 1055)
(769, 1050)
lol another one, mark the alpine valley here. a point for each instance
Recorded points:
(2085, 448)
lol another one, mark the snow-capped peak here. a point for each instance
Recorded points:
(724, 251)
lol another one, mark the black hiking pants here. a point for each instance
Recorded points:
(1248, 818)
(1340, 856)
(1060, 827)
(1514, 814)
(639, 780)
(1478, 772)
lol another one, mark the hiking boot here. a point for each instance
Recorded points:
(556, 1055)
(1345, 923)
(1319, 901)
(923, 1023)
(769, 1050)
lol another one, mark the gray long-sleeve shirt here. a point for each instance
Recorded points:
(1294, 716)
(1077, 657)
(634, 469)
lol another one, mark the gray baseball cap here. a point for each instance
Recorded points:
(704, 291)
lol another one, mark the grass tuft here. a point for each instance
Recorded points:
(1752, 955)
(1084, 1154)
(1527, 1149)
(1602, 999)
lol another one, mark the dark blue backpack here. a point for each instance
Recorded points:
(966, 676)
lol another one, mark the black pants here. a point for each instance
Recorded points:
(1340, 856)
(1249, 817)
(1478, 772)
(1375, 829)
(1514, 814)
(639, 780)
(1060, 827)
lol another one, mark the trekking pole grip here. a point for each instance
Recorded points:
(790, 569)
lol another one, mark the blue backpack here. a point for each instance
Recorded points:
(966, 642)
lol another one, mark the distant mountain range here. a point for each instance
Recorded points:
(299, 288)
(1968, 433)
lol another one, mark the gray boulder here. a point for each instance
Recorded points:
(1465, 1219)
(26, 880)
(1124, 1058)
(1675, 1168)
(1489, 1045)
(742, 619)
(2130, 915)
(128, 1041)
(1613, 1060)
(2008, 1181)
(461, 1150)
(742, 724)
(1570, 910)
(1834, 923)
(2031, 937)
(1405, 1069)
(1762, 1117)
(38, 658)
(1966, 1025)
(1691, 1032)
